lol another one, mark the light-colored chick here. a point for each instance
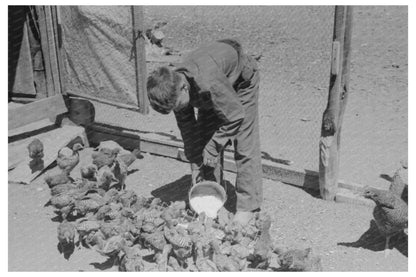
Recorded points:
(68, 158)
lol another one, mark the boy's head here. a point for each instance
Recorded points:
(167, 90)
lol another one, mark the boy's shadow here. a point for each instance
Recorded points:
(374, 241)
(178, 191)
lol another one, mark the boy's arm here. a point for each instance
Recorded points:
(189, 130)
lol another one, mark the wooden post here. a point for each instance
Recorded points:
(49, 50)
(140, 57)
(45, 49)
(57, 31)
(329, 144)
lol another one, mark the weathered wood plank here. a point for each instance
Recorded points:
(57, 34)
(156, 145)
(104, 101)
(329, 144)
(45, 108)
(97, 133)
(40, 10)
(139, 52)
(53, 58)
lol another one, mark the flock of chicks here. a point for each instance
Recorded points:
(146, 234)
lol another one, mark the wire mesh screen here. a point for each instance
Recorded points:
(97, 49)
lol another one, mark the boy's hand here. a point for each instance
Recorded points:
(209, 159)
(197, 173)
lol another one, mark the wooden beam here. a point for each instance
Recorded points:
(53, 58)
(140, 57)
(152, 144)
(329, 144)
(57, 33)
(103, 101)
(99, 132)
(45, 108)
(40, 10)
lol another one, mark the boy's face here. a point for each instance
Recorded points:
(183, 96)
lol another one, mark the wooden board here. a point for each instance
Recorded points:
(40, 10)
(330, 140)
(52, 142)
(45, 108)
(159, 145)
(139, 51)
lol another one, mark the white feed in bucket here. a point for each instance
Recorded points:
(209, 204)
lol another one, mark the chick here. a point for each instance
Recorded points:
(57, 179)
(131, 261)
(104, 156)
(298, 260)
(105, 177)
(68, 158)
(120, 173)
(128, 157)
(390, 212)
(66, 237)
(88, 172)
(35, 149)
(223, 262)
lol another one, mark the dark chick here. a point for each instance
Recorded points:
(88, 172)
(66, 237)
(390, 212)
(57, 179)
(298, 260)
(68, 158)
(35, 149)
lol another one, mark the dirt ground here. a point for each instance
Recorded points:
(342, 234)
(295, 46)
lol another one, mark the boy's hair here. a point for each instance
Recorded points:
(162, 88)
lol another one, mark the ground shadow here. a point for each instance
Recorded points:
(267, 156)
(374, 241)
(174, 191)
(231, 203)
(66, 250)
(107, 264)
(386, 177)
(131, 171)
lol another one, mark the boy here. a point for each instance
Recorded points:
(222, 83)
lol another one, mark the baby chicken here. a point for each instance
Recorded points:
(68, 158)
(58, 179)
(298, 260)
(35, 149)
(66, 236)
